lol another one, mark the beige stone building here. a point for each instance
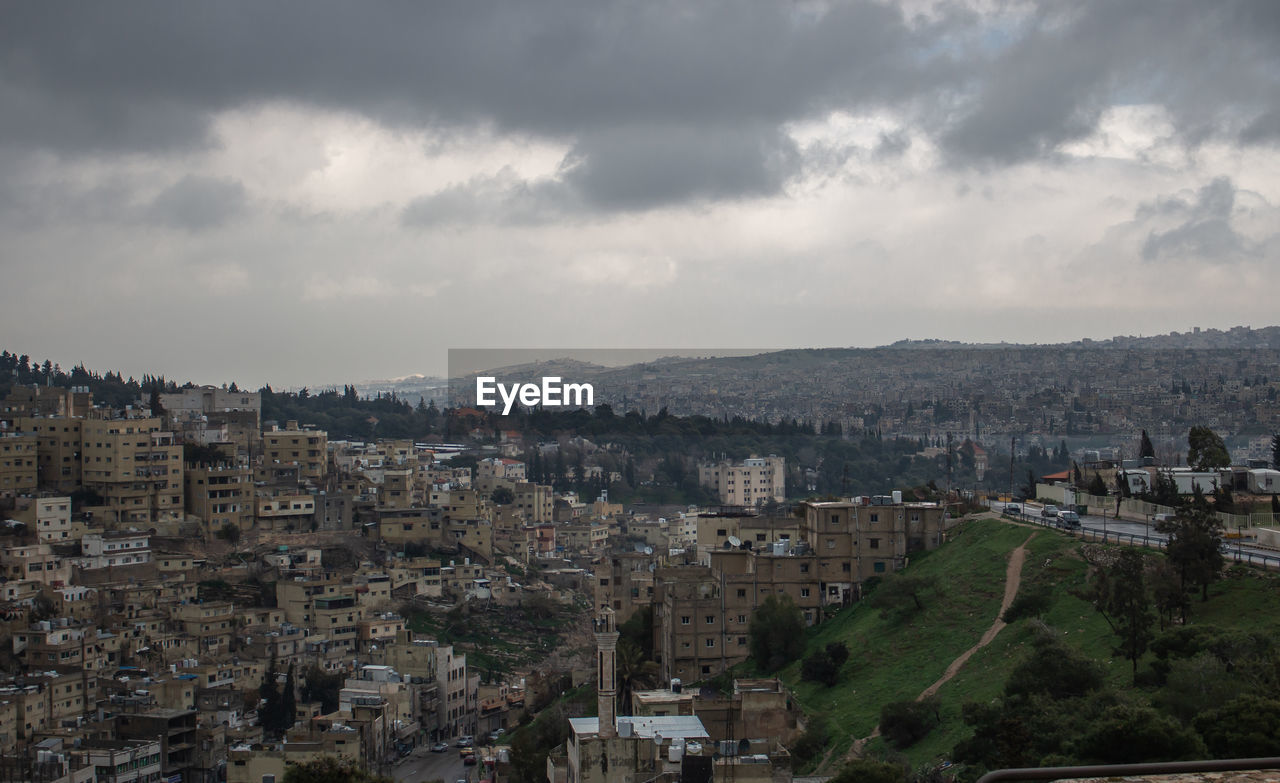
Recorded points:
(136, 466)
(220, 494)
(49, 517)
(18, 471)
(302, 446)
(58, 444)
(753, 482)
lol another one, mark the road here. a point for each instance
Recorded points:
(1128, 531)
(423, 765)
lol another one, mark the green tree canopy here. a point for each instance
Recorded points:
(1145, 449)
(1194, 550)
(777, 633)
(1205, 449)
(1119, 593)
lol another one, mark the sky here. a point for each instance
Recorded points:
(317, 192)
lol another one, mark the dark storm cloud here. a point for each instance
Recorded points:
(1211, 65)
(1202, 229)
(198, 203)
(662, 101)
(641, 166)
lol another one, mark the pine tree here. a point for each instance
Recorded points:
(1145, 449)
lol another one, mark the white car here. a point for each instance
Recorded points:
(1049, 512)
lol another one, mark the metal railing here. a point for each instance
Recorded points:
(1233, 553)
(1121, 770)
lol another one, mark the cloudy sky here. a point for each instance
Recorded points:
(316, 192)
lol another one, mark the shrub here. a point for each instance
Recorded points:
(904, 723)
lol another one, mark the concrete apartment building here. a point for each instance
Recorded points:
(302, 446)
(857, 539)
(753, 482)
(136, 466)
(220, 494)
(49, 517)
(702, 613)
(18, 471)
(58, 443)
(238, 414)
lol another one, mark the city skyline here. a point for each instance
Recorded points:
(271, 195)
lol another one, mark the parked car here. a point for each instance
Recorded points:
(1012, 508)
(1049, 512)
(440, 747)
(469, 760)
(1068, 520)
(496, 734)
(465, 741)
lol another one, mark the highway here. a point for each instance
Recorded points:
(1127, 531)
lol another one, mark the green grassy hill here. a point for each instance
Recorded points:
(895, 660)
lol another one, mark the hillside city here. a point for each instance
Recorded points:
(195, 593)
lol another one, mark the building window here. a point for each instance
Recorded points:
(711, 619)
(722, 532)
(742, 592)
(874, 543)
(711, 642)
(804, 592)
(831, 543)
(875, 518)
(684, 619)
(845, 567)
(879, 567)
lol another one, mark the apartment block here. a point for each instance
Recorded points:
(49, 517)
(136, 466)
(58, 444)
(18, 472)
(753, 482)
(220, 494)
(305, 447)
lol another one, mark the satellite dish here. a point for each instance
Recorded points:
(734, 541)
(657, 738)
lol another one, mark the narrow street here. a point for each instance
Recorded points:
(423, 765)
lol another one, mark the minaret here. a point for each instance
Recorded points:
(607, 675)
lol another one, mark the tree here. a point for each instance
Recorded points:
(1029, 489)
(1120, 596)
(777, 633)
(634, 672)
(269, 696)
(1275, 451)
(868, 771)
(904, 723)
(1097, 486)
(503, 496)
(1194, 549)
(1205, 449)
(318, 685)
(1246, 727)
(899, 595)
(288, 709)
(1054, 669)
(1145, 449)
(819, 667)
(1127, 733)
(1077, 479)
(330, 769)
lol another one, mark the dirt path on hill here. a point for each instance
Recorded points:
(1012, 580)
